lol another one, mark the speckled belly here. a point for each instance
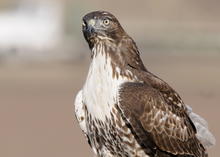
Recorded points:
(112, 137)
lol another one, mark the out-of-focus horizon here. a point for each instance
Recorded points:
(51, 29)
(44, 60)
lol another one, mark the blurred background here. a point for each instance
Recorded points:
(44, 60)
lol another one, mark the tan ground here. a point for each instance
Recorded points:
(36, 109)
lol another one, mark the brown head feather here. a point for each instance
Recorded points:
(103, 27)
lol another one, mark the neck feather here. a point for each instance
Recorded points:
(123, 53)
(105, 56)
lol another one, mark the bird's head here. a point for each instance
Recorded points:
(105, 35)
(101, 25)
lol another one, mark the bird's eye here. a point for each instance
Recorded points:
(106, 22)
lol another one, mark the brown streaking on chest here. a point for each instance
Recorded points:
(112, 136)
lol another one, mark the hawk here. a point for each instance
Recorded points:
(126, 111)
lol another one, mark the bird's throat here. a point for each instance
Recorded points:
(102, 85)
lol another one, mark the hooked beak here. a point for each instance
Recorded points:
(88, 27)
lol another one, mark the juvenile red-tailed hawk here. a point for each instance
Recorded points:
(126, 111)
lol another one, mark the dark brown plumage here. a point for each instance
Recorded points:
(129, 111)
(175, 134)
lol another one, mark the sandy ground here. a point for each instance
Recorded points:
(36, 109)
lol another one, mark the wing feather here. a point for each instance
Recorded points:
(168, 125)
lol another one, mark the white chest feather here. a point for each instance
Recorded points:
(100, 92)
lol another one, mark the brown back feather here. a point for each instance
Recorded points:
(174, 135)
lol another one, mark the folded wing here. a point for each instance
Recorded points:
(167, 126)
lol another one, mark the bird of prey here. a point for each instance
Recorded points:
(126, 111)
